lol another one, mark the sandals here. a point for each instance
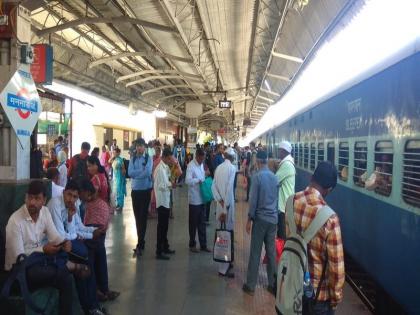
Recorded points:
(112, 295)
(109, 296)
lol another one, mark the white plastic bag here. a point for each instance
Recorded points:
(223, 246)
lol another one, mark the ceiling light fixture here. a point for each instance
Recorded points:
(160, 113)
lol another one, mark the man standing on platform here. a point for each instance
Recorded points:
(325, 250)
(218, 158)
(197, 216)
(262, 217)
(222, 189)
(78, 164)
(140, 171)
(286, 181)
(162, 188)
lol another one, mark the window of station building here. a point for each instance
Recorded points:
(126, 139)
(300, 154)
(312, 163)
(343, 161)
(331, 152)
(384, 154)
(320, 152)
(305, 155)
(411, 175)
(360, 163)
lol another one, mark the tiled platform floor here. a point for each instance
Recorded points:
(188, 283)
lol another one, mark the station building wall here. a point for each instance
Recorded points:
(90, 123)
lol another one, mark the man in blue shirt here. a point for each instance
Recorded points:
(218, 158)
(140, 171)
(262, 217)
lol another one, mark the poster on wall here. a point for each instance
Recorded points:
(20, 101)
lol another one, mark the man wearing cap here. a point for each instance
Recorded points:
(326, 244)
(223, 193)
(286, 182)
(262, 217)
(140, 171)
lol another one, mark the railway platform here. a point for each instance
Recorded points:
(188, 283)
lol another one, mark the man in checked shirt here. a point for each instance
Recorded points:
(326, 244)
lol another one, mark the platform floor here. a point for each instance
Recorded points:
(188, 283)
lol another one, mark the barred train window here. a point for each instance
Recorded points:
(320, 152)
(331, 152)
(312, 162)
(305, 156)
(384, 154)
(360, 163)
(294, 151)
(343, 161)
(411, 179)
(300, 154)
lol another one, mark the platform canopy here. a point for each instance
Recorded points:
(163, 54)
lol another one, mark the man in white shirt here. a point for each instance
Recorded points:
(31, 231)
(69, 225)
(197, 216)
(53, 175)
(67, 219)
(162, 188)
(222, 189)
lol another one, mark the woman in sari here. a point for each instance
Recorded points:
(118, 181)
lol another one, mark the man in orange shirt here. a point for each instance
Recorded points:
(326, 244)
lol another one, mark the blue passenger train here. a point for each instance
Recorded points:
(371, 132)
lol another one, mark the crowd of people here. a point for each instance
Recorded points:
(68, 234)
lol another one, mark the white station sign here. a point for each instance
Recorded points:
(21, 103)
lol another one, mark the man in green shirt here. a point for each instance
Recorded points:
(286, 182)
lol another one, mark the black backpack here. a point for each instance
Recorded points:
(126, 164)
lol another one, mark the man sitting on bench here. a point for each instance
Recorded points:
(31, 231)
(69, 225)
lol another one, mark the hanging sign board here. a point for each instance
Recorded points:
(21, 103)
(42, 67)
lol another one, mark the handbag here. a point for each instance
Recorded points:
(223, 250)
(205, 188)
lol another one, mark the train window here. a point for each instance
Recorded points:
(331, 152)
(294, 152)
(384, 154)
(300, 154)
(411, 177)
(320, 152)
(360, 163)
(343, 161)
(305, 155)
(312, 163)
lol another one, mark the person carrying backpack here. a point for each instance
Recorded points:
(310, 275)
(78, 167)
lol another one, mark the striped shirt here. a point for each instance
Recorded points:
(327, 240)
(97, 213)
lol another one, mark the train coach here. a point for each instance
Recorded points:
(371, 131)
